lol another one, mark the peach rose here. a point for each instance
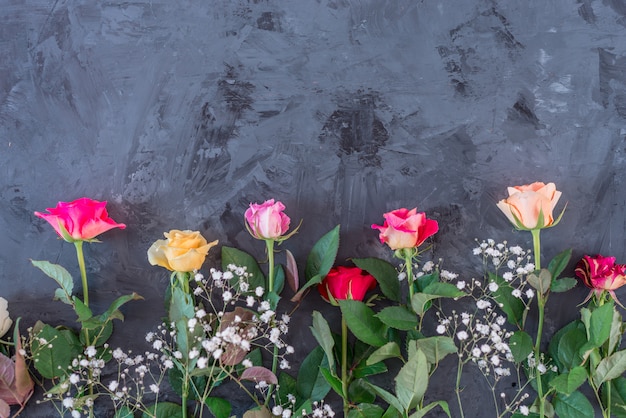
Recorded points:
(530, 206)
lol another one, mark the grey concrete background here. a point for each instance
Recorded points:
(181, 113)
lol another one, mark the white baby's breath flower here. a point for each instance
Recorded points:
(483, 304)
(493, 287)
(462, 335)
(516, 293)
(460, 284)
(530, 293)
(441, 329)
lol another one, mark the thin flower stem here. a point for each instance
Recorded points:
(344, 365)
(269, 243)
(83, 271)
(541, 301)
(459, 371)
(408, 263)
(185, 394)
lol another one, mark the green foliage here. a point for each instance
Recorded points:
(219, 407)
(568, 382)
(559, 263)
(321, 332)
(521, 345)
(398, 317)
(320, 260)
(575, 405)
(610, 368)
(61, 276)
(163, 410)
(311, 383)
(412, 380)
(240, 258)
(385, 274)
(362, 322)
(53, 351)
(513, 307)
(436, 348)
(387, 351)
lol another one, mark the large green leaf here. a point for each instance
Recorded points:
(389, 350)
(219, 407)
(513, 307)
(420, 302)
(574, 345)
(333, 381)
(610, 367)
(599, 325)
(61, 276)
(388, 397)
(181, 306)
(311, 383)
(362, 322)
(366, 410)
(566, 383)
(559, 263)
(412, 380)
(521, 345)
(385, 274)
(52, 352)
(617, 395)
(240, 258)
(423, 411)
(398, 317)
(575, 405)
(321, 332)
(322, 256)
(446, 290)
(436, 348)
(563, 285)
(164, 410)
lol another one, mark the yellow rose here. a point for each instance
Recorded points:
(530, 206)
(181, 251)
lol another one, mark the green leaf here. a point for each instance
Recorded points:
(362, 322)
(279, 279)
(446, 290)
(82, 311)
(599, 325)
(95, 332)
(286, 385)
(541, 282)
(366, 410)
(566, 355)
(364, 370)
(61, 276)
(385, 274)
(563, 285)
(436, 348)
(423, 411)
(333, 381)
(426, 280)
(389, 350)
(559, 263)
(113, 311)
(322, 256)
(618, 397)
(323, 335)
(360, 393)
(567, 383)
(123, 412)
(610, 368)
(311, 383)
(314, 280)
(615, 336)
(419, 302)
(412, 380)
(163, 410)
(575, 405)
(240, 258)
(398, 317)
(521, 345)
(513, 307)
(52, 352)
(219, 407)
(387, 397)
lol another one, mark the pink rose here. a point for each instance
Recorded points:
(601, 274)
(267, 221)
(80, 220)
(525, 204)
(405, 228)
(346, 283)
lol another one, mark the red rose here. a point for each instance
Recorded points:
(80, 220)
(405, 228)
(346, 283)
(601, 274)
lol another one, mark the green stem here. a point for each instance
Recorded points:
(459, 370)
(83, 271)
(269, 243)
(344, 365)
(185, 394)
(408, 263)
(541, 302)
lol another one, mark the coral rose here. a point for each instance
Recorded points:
(80, 220)
(530, 206)
(182, 251)
(405, 228)
(346, 283)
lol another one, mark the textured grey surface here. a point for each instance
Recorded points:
(180, 113)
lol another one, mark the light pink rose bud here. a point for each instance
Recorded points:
(405, 228)
(267, 220)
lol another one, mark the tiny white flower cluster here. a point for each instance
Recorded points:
(481, 339)
(319, 410)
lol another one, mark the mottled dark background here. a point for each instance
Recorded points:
(181, 113)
